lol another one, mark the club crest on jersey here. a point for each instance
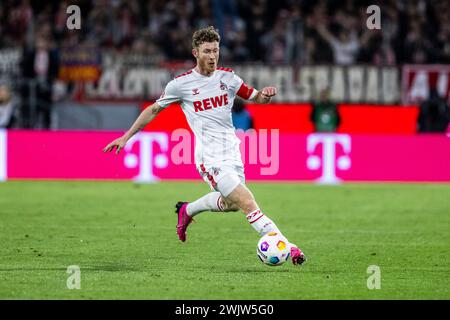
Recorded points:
(215, 170)
(223, 86)
(195, 92)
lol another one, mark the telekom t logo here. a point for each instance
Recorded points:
(329, 162)
(146, 158)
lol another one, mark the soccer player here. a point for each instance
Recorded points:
(206, 94)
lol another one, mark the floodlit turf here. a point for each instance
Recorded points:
(123, 238)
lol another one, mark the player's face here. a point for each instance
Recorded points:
(207, 55)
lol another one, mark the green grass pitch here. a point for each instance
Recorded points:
(122, 236)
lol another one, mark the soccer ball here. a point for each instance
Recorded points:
(273, 249)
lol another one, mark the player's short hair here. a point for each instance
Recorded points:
(208, 34)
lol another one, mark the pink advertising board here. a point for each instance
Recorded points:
(268, 155)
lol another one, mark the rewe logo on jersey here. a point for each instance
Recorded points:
(329, 161)
(210, 103)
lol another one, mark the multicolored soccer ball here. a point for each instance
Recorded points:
(273, 249)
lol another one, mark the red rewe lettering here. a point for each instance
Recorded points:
(217, 101)
(207, 103)
(198, 106)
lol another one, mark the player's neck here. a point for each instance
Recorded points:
(203, 72)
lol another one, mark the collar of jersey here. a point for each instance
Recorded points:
(202, 76)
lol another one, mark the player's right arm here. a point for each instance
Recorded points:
(169, 96)
(147, 115)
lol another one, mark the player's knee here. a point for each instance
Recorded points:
(233, 207)
(229, 206)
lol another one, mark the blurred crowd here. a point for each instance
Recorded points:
(272, 32)
(269, 31)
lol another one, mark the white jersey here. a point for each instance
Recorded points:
(206, 103)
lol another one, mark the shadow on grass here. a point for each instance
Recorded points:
(108, 268)
(263, 269)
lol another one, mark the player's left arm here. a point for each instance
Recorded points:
(247, 92)
(265, 95)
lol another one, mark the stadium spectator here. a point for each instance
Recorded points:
(434, 115)
(275, 45)
(345, 46)
(375, 49)
(242, 119)
(19, 21)
(255, 12)
(225, 13)
(238, 50)
(325, 115)
(39, 69)
(7, 107)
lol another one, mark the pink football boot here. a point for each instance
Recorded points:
(183, 220)
(297, 256)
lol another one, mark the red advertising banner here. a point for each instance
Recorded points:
(268, 155)
(418, 80)
(295, 117)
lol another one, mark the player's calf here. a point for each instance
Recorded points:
(242, 197)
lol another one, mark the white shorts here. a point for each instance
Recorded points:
(224, 178)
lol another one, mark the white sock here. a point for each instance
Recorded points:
(209, 202)
(261, 223)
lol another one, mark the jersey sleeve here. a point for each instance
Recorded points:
(242, 89)
(169, 95)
